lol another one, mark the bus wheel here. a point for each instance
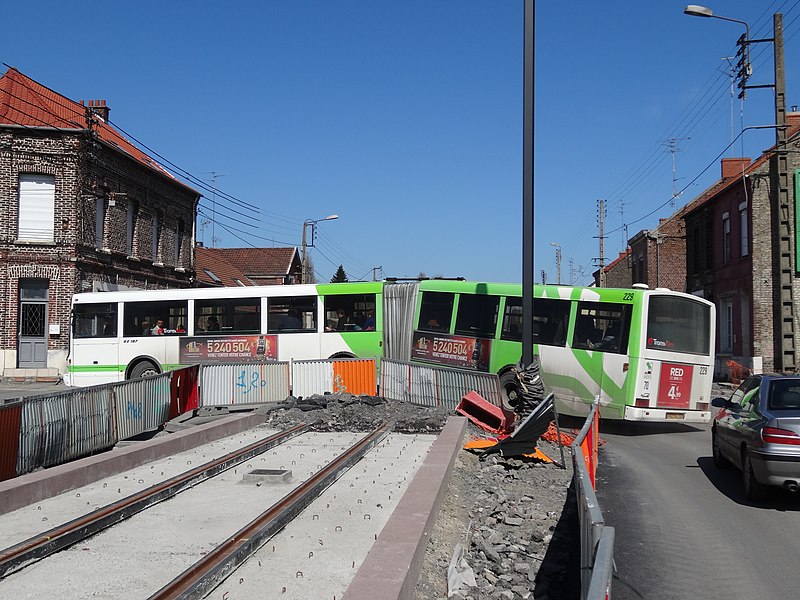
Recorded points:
(509, 386)
(144, 369)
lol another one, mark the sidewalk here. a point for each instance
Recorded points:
(10, 389)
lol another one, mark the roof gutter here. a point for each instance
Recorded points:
(43, 128)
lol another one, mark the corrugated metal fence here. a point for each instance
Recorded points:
(222, 385)
(435, 386)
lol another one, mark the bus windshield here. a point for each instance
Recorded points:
(678, 325)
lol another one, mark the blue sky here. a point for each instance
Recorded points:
(405, 118)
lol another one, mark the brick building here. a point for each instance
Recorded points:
(83, 209)
(733, 258)
(247, 266)
(617, 272)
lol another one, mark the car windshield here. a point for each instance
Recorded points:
(785, 394)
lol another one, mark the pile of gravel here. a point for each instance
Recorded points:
(512, 516)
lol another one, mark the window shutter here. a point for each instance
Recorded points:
(37, 195)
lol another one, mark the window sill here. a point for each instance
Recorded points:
(180, 270)
(158, 264)
(104, 250)
(35, 243)
(133, 258)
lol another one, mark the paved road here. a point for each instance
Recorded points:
(683, 527)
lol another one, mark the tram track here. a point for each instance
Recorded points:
(63, 536)
(203, 576)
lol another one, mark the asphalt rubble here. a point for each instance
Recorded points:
(514, 518)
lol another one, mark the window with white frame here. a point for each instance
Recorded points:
(744, 230)
(37, 194)
(726, 238)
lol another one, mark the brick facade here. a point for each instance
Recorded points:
(86, 170)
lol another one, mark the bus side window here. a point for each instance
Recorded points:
(435, 312)
(602, 326)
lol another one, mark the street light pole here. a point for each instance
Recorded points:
(783, 293)
(304, 277)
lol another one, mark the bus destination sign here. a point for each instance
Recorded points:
(452, 350)
(229, 349)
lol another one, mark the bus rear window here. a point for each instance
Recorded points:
(678, 325)
(477, 315)
(94, 320)
(435, 311)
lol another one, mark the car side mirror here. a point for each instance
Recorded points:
(720, 402)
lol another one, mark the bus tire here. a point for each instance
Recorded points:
(143, 369)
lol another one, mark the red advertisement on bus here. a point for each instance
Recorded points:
(675, 389)
(452, 350)
(229, 349)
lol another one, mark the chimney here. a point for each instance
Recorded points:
(793, 118)
(734, 167)
(99, 108)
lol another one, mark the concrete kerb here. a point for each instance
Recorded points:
(32, 487)
(392, 567)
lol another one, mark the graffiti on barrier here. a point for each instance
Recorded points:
(254, 382)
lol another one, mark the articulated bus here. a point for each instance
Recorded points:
(647, 355)
(131, 334)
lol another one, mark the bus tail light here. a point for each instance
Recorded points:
(642, 403)
(773, 435)
(702, 406)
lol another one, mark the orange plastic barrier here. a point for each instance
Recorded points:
(484, 414)
(355, 376)
(589, 448)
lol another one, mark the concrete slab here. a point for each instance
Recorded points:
(33, 487)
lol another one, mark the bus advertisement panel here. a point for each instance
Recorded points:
(452, 350)
(228, 349)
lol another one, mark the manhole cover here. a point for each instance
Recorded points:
(267, 476)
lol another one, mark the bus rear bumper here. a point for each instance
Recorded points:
(662, 415)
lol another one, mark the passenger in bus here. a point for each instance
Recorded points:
(109, 327)
(146, 327)
(212, 324)
(344, 321)
(291, 320)
(369, 322)
(180, 328)
(158, 328)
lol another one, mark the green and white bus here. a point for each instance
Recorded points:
(647, 354)
(130, 334)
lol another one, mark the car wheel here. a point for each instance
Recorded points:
(719, 461)
(144, 369)
(753, 490)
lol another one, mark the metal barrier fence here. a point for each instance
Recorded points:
(597, 539)
(353, 375)
(435, 386)
(142, 405)
(246, 383)
(56, 428)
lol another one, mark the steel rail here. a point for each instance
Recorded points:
(202, 577)
(62, 536)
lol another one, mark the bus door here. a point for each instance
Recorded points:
(94, 348)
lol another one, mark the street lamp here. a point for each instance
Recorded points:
(558, 261)
(745, 70)
(304, 255)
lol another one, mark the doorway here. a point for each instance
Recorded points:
(32, 324)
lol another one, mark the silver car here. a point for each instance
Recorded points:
(758, 431)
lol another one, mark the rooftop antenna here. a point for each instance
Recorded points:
(214, 176)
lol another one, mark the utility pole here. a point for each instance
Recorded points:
(528, 69)
(214, 238)
(673, 148)
(558, 261)
(783, 212)
(601, 217)
(374, 272)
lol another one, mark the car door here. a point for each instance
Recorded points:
(730, 419)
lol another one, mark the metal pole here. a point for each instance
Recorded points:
(527, 186)
(304, 257)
